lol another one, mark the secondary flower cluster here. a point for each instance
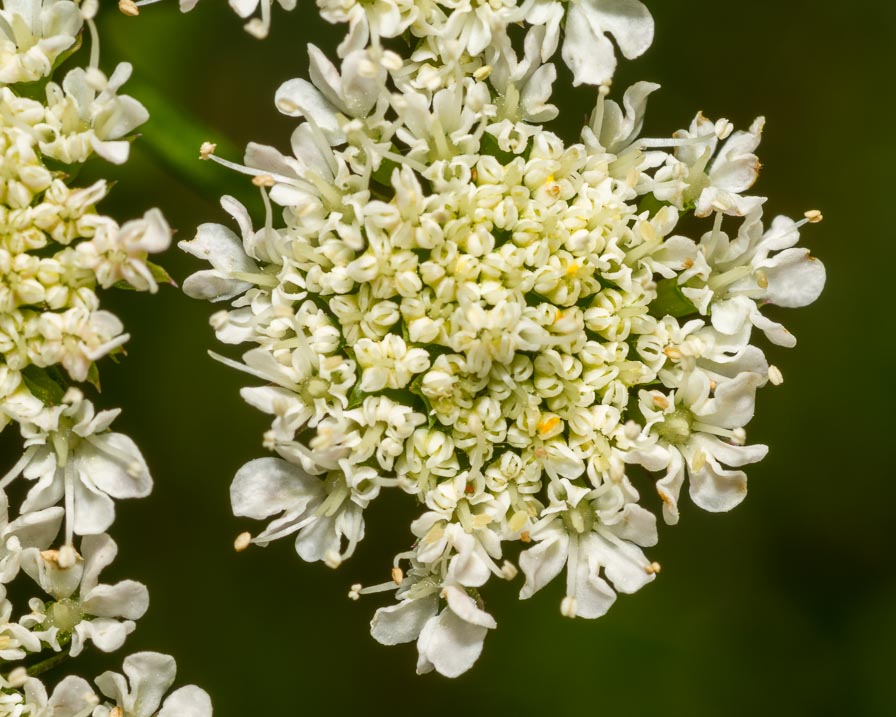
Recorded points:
(56, 251)
(523, 333)
(447, 31)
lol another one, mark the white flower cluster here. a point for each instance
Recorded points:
(522, 333)
(56, 250)
(445, 31)
(257, 26)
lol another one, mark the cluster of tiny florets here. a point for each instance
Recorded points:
(515, 330)
(57, 250)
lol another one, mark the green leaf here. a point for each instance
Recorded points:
(357, 396)
(670, 301)
(160, 274)
(649, 203)
(47, 388)
(93, 376)
(383, 174)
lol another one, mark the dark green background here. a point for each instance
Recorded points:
(785, 606)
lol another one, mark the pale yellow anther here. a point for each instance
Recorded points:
(509, 571)
(525, 537)
(482, 73)
(761, 279)
(673, 353)
(652, 569)
(688, 263)
(263, 180)
(207, 150)
(397, 575)
(129, 8)
(660, 401)
(775, 375)
(116, 712)
(243, 540)
(572, 269)
(814, 216)
(354, 592)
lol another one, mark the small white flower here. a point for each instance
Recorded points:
(33, 34)
(86, 114)
(72, 456)
(597, 535)
(72, 697)
(139, 692)
(83, 607)
(697, 429)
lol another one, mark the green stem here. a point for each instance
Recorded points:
(172, 138)
(46, 665)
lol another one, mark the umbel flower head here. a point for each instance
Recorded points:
(517, 331)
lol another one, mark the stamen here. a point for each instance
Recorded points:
(18, 467)
(128, 7)
(243, 540)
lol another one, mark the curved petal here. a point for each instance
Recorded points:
(189, 701)
(403, 622)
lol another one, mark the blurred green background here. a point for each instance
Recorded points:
(785, 606)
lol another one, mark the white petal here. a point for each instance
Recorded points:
(115, 465)
(212, 285)
(220, 247)
(266, 486)
(590, 56)
(543, 562)
(189, 701)
(72, 697)
(465, 608)
(128, 599)
(795, 278)
(623, 563)
(450, 644)
(403, 622)
(629, 21)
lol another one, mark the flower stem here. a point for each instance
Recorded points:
(39, 668)
(172, 138)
